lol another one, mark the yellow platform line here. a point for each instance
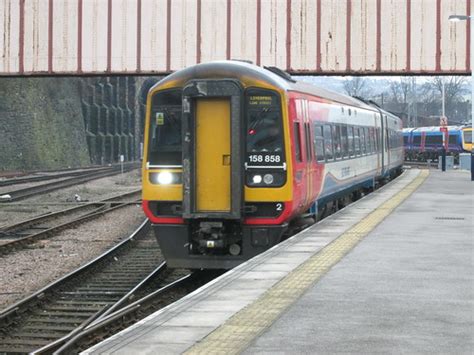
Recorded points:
(236, 334)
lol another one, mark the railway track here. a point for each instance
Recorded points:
(18, 174)
(45, 176)
(50, 317)
(19, 235)
(19, 194)
(110, 324)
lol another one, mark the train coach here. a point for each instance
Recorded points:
(237, 156)
(424, 143)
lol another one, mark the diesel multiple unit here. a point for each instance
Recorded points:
(237, 155)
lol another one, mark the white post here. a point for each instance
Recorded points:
(471, 46)
(443, 111)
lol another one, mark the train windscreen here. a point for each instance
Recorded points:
(264, 128)
(164, 140)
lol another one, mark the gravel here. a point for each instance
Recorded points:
(28, 270)
(94, 190)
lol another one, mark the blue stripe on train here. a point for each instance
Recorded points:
(334, 189)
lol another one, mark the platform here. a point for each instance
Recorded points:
(391, 273)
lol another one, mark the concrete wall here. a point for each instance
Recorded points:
(48, 123)
(41, 124)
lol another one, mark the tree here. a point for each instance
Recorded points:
(357, 86)
(400, 91)
(456, 104)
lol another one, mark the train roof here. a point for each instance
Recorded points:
(273, 76)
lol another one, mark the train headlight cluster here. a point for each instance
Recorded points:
(273, 179)
(267, 179)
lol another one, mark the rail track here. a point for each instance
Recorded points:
(19, 174)
(43, 176)
(19, 194)
(20, 234)
(110, 324)
(53, 315)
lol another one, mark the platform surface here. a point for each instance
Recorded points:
(392, 273)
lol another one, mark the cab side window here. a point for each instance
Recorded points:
(297, 140)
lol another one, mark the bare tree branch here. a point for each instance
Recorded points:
(357, 86)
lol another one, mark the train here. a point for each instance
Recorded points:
(237, 157)
(425, 143)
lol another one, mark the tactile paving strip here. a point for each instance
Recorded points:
(239, 331)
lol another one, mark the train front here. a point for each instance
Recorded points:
(215, 171)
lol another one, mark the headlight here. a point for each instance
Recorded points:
(265, 179)
(268, 179)
(165, 178)
(257, 179)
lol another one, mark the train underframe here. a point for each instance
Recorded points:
(215, 244)
(432, 155)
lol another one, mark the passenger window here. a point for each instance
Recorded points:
(296, 133)
(350, 139)
(328, 145)
(434, 139)
(345, 145)
(362, 141)
(336, 133)
(356, 141)
(372, 140)
(366, 140)
(319, 142)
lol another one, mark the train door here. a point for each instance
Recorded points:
(212, 149)
(309, 153)
(213, 156)
(377, 144)
(299, 168)
(383, 144)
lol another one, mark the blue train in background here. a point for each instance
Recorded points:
(424, 143)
